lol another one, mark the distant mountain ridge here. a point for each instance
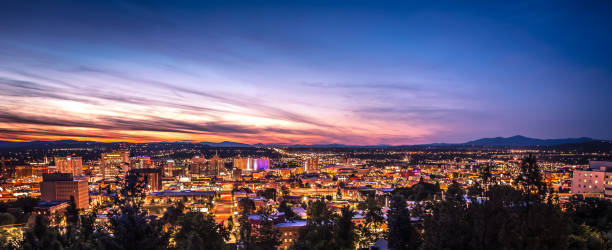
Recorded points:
(227, 144)
(514, 141)
(518, 140)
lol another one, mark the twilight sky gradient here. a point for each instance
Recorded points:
(304, 72)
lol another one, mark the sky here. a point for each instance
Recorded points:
(304, 72)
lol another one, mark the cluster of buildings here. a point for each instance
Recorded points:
(216, 184)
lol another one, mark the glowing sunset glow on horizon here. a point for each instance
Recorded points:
(302, 74)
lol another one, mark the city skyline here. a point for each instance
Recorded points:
(304, 72)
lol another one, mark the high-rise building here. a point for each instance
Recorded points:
(140, 162)
(215, 165)
(251, 164)
(69, 164)
(170, 168)
(114, 164)
(33, 169)
(152, 178)
(240, 163)
(197, 166)
(60, 186)
(311, 165)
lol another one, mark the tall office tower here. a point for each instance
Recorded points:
(114, 164)
(69, 164)
(151, 177)
(39, 168)
(311, 165)
(240, 163)
(197, 166)
(60, 186)
(215, 165)
(251, 164)
(260, 164)
(169, 168)
(140, 162)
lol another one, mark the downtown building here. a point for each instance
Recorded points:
(114, 164)
(61, 186)
(69, 164)
(251, 164)
(151, 177)
(595, 181)
(311, 165)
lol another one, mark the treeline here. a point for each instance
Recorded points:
(483, 216)
(492, 216)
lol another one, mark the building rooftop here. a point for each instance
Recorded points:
(295, 223)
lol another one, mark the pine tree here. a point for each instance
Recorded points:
(344, 235)
(401, 234)
(41, 236)
(199, 232)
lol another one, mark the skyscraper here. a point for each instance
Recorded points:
(311, 165)
(215, 165)
(251, 164)
(140, 162)
(114, 164)
(69, 164)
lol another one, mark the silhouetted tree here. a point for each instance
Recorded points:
(41, 236)
(401, 234)
(344, 236)
(530, 180)
(266, 236)
(285, 208)
(129, 223)
(318, 232)
(198, 231)
(445, 226)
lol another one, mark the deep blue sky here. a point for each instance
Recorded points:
(359, 72)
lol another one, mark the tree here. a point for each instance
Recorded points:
(485, 175)
(7, 219)
(198, 231)
(72, 222)
(284, 207)
(246, 205)
(318, 213)
(530, 180)
(129, 223)
(344, 230)
(41, 236)
(445, 226)
(318, 232)
(371, 231)
(266, 236)
(285, 191)
(268, 193)
(325, 230)
(401, 234)
(591, 221)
